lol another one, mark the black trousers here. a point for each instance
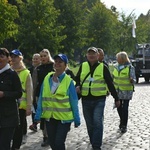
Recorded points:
(6, 135)
(57, 133)
(19, 131)
(25, 127)
(123, 112)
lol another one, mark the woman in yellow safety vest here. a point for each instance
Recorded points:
(25, 102)
(124, 78)
(58, 103)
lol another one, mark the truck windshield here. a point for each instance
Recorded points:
(140, 52)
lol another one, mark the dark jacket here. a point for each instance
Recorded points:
(107, 78)
(31, 69)
(11, 86)
(70, 73)
(42, 71)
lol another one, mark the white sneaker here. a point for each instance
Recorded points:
(24, 139)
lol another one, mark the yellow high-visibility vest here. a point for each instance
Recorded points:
(121, 79)
(56, 105)
(23, 78)
(96, 84)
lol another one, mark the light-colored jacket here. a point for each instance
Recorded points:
(28, 88)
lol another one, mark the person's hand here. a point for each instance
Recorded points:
(117, 103)
(78, 89)
(28, 112)
(131, 80)
(1, 94)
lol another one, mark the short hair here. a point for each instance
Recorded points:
(4, 51)
(36, 54)
(100, 50)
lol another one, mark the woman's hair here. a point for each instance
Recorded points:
(49, 55)
(21, 62)
(123, 56)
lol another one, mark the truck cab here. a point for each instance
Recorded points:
(142, 62)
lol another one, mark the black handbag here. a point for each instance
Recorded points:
(79, 94)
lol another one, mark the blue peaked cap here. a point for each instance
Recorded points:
(63, 57)
(16, 52)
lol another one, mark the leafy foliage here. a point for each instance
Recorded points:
(71, 16)
(69, 26)
(39, 30)
(101, 24)
(8, 14)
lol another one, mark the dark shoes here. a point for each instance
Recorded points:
(45, 142)
(96, 148)
(33, 127)
(120, 126)
(123, 129)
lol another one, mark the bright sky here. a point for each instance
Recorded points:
(127, 6)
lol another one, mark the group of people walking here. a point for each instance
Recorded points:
(48, 90)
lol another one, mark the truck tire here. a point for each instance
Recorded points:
(146, 79)
(137, 79)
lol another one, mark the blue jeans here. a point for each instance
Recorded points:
(93, 111)
(57, 133)
(123, 112)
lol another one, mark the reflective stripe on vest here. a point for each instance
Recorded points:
(56, 105)
(95, 84)
(23, 78)
(121, 79)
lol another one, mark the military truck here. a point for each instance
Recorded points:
(142, 62)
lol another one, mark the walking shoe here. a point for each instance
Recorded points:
(120, 126)
(96, 148)
(45, 142)
(33, 127)
(123, 129)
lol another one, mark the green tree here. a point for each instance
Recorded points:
(38, 27)
(143, 28)
(125, 40)
(71, 16)
(8, 28)
(101, 25)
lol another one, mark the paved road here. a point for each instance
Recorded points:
(136, 138)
